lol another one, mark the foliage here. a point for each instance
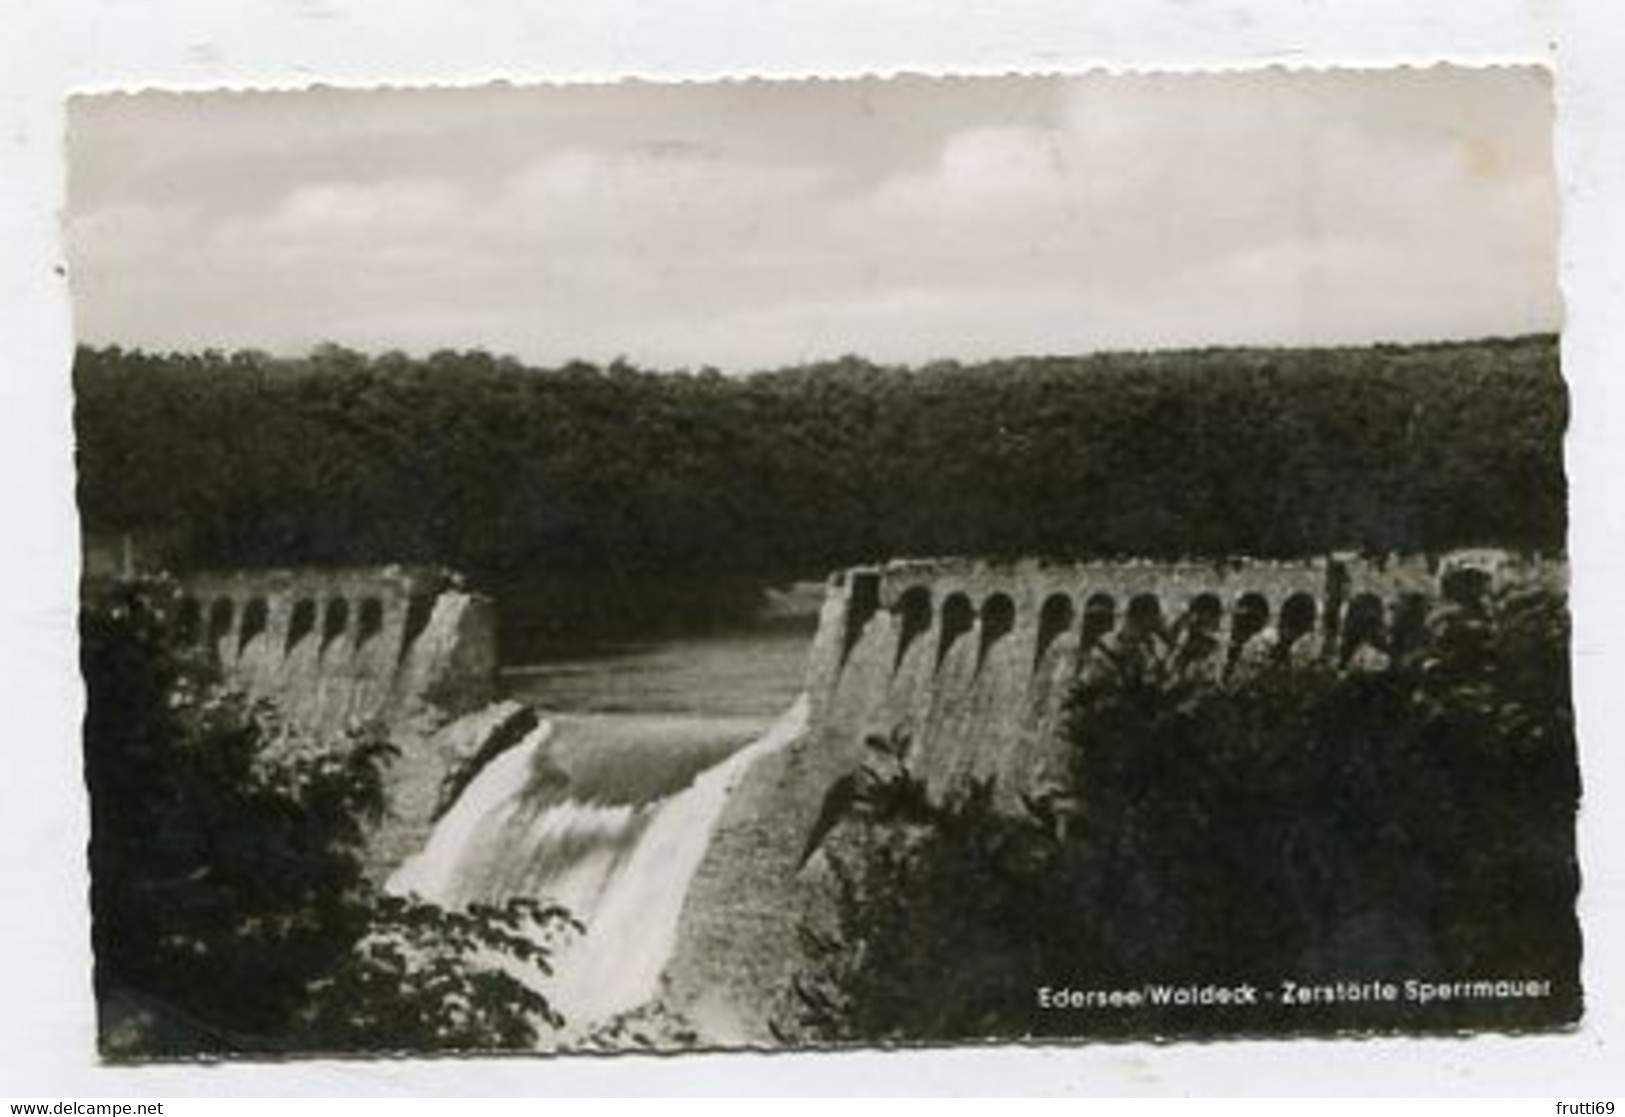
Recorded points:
(1420, 814)
(600, 499)
(231, 909)
(925, 937)
(656, 1026)
(1307, 824)
(409, 984)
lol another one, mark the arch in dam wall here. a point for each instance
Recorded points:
(332, 647)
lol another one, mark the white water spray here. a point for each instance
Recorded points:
(484, 805)
(623, 870)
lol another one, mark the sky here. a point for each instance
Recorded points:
(756, 224)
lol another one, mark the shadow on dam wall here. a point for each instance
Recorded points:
(974, 661)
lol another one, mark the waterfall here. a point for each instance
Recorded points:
(484, 804)
(617, 849)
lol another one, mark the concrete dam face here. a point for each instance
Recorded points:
(332, 647)
(406, 649)
(974, 660)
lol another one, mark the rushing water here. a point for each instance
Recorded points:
(608, 806)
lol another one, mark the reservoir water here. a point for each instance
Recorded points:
(751, 673)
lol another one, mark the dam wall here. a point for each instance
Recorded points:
(974, 661)
(405, 648)
(331, 648)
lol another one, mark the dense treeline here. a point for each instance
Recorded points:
(607, 497)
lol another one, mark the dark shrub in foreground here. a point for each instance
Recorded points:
(231, 912)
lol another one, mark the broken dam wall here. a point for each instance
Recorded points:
(335, 647)
(974, 661)
(405, 649)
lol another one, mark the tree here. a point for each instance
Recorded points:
(231, 910)
(411, 982)
(1304, 823)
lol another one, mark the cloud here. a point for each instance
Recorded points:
(1108, 212)
(1235, 213)
(365, 210)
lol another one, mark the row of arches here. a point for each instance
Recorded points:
(997, 616)
(1366, 620)
(230, 624)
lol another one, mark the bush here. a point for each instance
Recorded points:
(421, 979)
(1306, 824)
(231, 910)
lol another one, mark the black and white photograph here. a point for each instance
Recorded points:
(799, 564)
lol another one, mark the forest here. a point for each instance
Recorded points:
(596, 501)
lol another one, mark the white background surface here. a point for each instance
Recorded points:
(46, 49)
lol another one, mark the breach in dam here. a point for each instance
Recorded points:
(687, 847)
